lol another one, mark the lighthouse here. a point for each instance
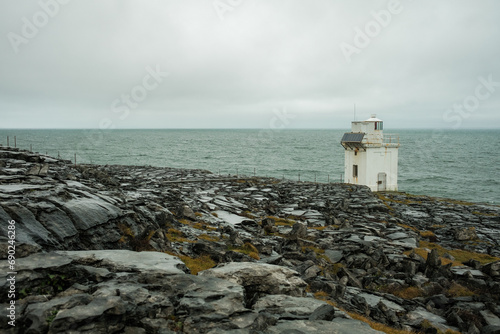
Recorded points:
(371, 158)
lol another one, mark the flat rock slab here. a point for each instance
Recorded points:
(202, 296)
(279, 304)
(337, 326)
(89, 211)
(420, 314)
(34, 262)
(262, 277)
(490, 318)
(334, 255)
(397, 235)
(230, 218)
(125, 260)
(373, 301)
(19, 188)
(409, 243)
(463, 270)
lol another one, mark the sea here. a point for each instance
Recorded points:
(457, 164)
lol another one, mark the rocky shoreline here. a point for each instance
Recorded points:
(138, 249)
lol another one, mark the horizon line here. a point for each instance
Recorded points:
(235, 128)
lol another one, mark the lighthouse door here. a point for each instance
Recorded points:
(382, 182)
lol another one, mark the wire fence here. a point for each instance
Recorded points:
(231, 172)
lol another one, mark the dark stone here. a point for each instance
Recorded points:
(433, 260)
(351, 279)
(490, 330)
(299, 230)
(465, 234)
(325, 312)
(440, 301)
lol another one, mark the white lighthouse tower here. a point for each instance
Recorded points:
(371, 158)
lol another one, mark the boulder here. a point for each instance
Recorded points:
(492, 269)
(87, 210)
(260, 277)
(289, 307)
(465, 234)
(299, 230)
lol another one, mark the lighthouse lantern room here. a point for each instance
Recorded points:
(371, 158)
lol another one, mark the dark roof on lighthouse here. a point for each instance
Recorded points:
(352, 140)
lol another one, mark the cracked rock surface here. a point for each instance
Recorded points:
(138, 249)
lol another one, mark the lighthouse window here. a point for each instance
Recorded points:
(355, 170)
(379, 125)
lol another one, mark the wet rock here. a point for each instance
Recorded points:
(492, 269)
(337, 326)
(324, 312)
(358, 261)
(299, 230)
(258, 277)
(185, 211)
(117, 260)
(334, 255)
(490, 329)
(235, 240)
(465, 234)
(28, 229)
(433, 262)
(351, 279)
(490, 318)
(88, 211)
(291, 307)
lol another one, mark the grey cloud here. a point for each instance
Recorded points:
(234, 72)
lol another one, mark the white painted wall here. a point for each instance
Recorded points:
(370, 163)
(374, 159)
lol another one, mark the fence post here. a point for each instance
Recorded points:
(15, 141)
(8, 141)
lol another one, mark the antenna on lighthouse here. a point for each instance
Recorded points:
(354, 111)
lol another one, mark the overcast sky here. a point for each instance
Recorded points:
(249, 63)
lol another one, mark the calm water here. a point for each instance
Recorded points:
(461, 164)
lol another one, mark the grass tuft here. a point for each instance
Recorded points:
(457, 290)
(247, 249)
(174, 235)
(208, 237)
(195, 265)
(460, 255)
